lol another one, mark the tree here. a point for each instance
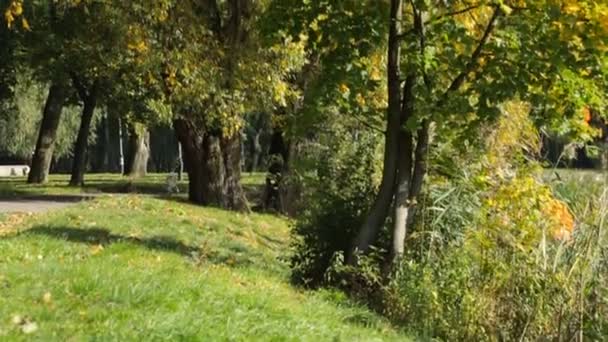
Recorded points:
(341, 40)
(207, 75)
(451, 77)
(72, 44)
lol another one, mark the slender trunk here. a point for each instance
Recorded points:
(41, 161)
(79, 163)
(139, 149)
(420, 171)
(377, 215)
(105, 158)
(256, 152)
(180, 160)
(278, 160)
(404, 173)
(121, 150)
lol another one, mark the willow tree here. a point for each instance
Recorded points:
(451, 64)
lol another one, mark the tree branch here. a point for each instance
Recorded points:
(368, 125)
(438, 18)
(451, 14)
(461, 78)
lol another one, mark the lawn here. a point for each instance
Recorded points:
(143, 268)
(154, 183)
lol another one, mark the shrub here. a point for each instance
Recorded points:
(496, 253)
(338, 197)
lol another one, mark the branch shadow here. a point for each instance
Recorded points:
(102, 236)
(230, 255)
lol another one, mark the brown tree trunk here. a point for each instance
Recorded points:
(377, 215)
(214, 167)
(79, 163)
(139, 152)
(41, 161)
(234, 196)
(192, 150)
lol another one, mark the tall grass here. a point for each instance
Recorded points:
(586, 259)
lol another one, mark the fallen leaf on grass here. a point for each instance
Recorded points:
(96, 249)
(26, 324)
(47, 298)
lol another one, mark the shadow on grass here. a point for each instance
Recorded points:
(105, 237)
(13, 190)
(26, 197)
(231, 255)
(253, 194)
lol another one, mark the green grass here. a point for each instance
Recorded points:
(141, 268)
(154, 183)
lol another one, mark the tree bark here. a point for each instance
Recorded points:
(51, 116)
(79, 163)
(214, 167)
(234, 196)
(377, 215)
(139, 152)
(404, 171)
(193, 159)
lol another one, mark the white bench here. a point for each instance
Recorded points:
(14, 170)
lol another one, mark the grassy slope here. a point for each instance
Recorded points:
(135, 268)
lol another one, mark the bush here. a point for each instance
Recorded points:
(338, 198)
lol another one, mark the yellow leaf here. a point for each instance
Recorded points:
(8, 16)
(96, 249)
(25, 24)
(344, 88)
(47, 298)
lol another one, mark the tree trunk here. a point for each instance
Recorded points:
(41, 161)
(234, 196)
(278, 161)
(139, 152)
(102, 160)
(191, 143)
(256, 152)
(404, 171)
(214, 167)
(180, 161)
(79, 163)
(377, 215)
(121, 150)
(213, 171)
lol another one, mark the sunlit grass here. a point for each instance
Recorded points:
(141, 268)
(154, 183)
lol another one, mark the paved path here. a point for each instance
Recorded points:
(38, 204)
